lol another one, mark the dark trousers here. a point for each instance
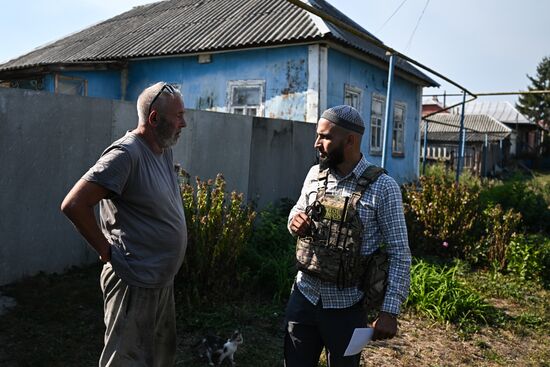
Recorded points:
(309, 328)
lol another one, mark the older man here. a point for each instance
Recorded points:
(143, 236)
(347, 209)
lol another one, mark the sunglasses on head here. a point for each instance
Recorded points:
(166, 87)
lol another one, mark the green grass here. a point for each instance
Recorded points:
(530, 301)
(437, 292)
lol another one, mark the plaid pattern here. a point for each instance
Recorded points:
(381, 211)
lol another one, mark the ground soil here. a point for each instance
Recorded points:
(58, 322)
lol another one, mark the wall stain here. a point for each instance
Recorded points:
(205, 102)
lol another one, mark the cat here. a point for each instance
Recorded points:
(212, 346)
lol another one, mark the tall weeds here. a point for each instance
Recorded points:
(219, 226)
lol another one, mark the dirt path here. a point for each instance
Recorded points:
(422, 343)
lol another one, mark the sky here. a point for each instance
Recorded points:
(484, 45)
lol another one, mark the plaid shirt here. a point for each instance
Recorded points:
(381, 211)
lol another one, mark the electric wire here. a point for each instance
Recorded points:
(417, 24)
(391, 16)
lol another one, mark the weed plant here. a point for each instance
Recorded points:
(437, 292)
(528, 258)
(219, 226)
(268, 262)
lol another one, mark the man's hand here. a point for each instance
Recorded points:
(385, 326)
(300, 224)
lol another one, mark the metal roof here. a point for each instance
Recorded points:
(502, 111)
(179, 27)
(446, 127)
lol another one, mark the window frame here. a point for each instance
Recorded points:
(60, 78)
(244, 109)
(396, 129)
(375, 130)
(358, 92)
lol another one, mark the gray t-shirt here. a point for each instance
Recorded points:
(143, 217)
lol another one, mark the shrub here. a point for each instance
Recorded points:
(527, 199)
(218, 226)
(437, 292)
(268, 261)
(441, 215)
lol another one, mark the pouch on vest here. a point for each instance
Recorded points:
(374, 281)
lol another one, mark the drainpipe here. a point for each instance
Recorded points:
(389, 110)
(461, 141)
(425, 147)
(485, 153)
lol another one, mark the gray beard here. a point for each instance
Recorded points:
(164, 137)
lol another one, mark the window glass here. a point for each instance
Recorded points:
(246, 97)
(71, 85)
(352, 97)
(398, 135)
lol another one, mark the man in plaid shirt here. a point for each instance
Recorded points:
(319, 313)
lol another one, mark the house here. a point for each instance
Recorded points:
(265, 58)
(432, 105)
(526, 138)
(487, 141)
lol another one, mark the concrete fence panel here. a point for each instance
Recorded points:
(48, 141)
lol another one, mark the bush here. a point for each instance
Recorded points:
(268, 262)
(527, 199)
(437, 293)
(218, 227)
(441, 216)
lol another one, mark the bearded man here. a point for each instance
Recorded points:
(143, 235)
(343, 206)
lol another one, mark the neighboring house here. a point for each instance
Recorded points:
(527, 136)
(432, 105)
(487, 141)
(254, 57)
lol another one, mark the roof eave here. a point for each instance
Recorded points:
(42, 69)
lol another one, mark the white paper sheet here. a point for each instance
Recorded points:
(360, 338)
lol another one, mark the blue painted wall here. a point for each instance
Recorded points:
(204, 86)
(102, 84)
(285, 72)
(344, 69)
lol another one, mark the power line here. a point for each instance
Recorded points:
(417, 24)
(391, 16)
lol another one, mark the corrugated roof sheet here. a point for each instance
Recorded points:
(178, 27)
(446, 127)
(502, 111)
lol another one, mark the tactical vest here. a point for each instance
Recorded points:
(332, 249)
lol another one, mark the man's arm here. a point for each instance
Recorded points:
(393, 228)
(78, 206)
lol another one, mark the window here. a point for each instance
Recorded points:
(71, 85)
(376, 123)
(352, 97)
(398, 136)
(246, 97)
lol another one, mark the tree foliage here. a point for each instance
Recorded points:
(537, 106)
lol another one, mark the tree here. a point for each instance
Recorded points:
(537, 106)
